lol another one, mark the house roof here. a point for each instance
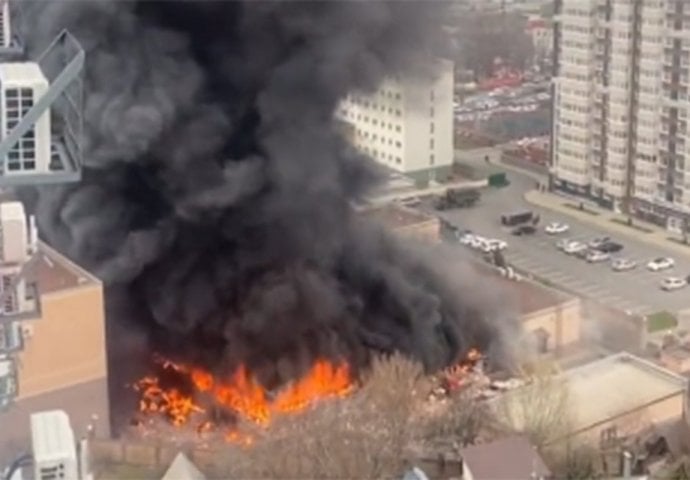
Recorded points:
(527, 296)
(396, 216)
(509, 458)
(183, 469)
(54, 272)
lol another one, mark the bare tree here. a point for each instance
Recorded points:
(539, 410)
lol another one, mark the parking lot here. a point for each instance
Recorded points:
(636, 291)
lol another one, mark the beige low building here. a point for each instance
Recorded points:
(55, 354)
(608, 402)
(405, 221)
(551, 318)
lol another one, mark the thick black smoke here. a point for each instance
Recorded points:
(217, 186)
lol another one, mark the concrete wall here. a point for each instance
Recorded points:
(667, 410)
(79, 401)
(563, 323)
(67, 346)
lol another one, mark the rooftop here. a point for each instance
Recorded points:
(54, 272)
(621, 383)
(529, 297)
(509, 458)
(395, 216)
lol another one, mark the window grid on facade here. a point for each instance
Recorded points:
(18, 102)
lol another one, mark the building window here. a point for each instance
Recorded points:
(397, 128)
(397, 96)
(431, 95)
(431, 127)
(397, 113)
(431, 159)
(397, 160)
(431, 144)
(431, 111)
(397, 144)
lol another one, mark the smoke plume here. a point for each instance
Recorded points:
(217, 187)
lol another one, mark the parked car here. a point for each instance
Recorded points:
(564, 242)
(597, 256)
(582, 253)
(598, 242)
(555, 228)
(574, 247)
(524, 230)
(660, 263)
(673, 283)
(610, 247)
(497, 244)
(622, 264)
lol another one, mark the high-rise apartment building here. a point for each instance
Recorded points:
(621, 105)
(21, 85)
(407, 125)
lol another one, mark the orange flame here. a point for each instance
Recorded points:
(241, 393)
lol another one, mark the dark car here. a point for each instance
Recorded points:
(524, 230)
(610, 247)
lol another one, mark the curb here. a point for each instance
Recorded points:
(606, 224)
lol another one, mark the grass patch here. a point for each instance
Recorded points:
(633, 225)
(659, 321)
(583, 210)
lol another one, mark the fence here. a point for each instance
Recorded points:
(157, 457)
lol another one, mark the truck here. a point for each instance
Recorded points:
(517, 218)
(457, 198)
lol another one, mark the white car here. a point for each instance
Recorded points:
(466, 239)
(661, 263)
(673, 283)
(598, 242)
(596, 256)
(496, 244)
(554, 228)
(574, 247)
(562, 243)
(623, 264)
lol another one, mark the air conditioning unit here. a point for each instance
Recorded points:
(54, 449)
(13, 223)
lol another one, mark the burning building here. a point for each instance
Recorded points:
(52, 337)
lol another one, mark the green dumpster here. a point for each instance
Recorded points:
(498, 180)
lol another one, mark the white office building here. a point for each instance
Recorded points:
(621, 105)
(21, 85)
(407, 125)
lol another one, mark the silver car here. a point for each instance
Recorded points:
(623, 265)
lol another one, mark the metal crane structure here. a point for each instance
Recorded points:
(62, 63)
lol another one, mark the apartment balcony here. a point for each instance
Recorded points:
(9, 384)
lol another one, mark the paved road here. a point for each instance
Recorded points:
(635, 291)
